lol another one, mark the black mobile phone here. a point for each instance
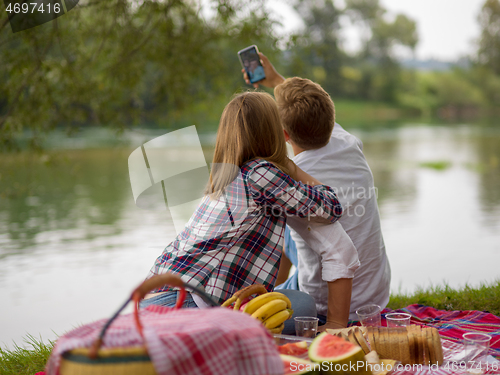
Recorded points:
(250, 60)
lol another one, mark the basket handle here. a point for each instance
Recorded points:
(137, 295)
(153, 283)
(158, 281)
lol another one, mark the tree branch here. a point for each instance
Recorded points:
(98, 51)
(26, 80)
(136, 48)
(4, 23)
(168, 6)
(58, 36)
(18, 94)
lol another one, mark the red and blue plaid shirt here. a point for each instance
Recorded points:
(236, 240)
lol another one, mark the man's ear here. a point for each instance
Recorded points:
(287, 137)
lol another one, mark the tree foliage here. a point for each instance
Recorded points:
(462, 91)
(171, 63)
(119, 63)
(380, 70)
(489, 44)
(316, 52)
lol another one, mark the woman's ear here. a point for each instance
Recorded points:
(287, 137)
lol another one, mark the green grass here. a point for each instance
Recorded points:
(22, 361)
(25, 361)
(439, 165)
(367, 114)
(483, 298)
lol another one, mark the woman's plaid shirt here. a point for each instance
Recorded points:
(236, 240)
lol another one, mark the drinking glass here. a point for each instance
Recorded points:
(398, 319)
(369, 315)
(476, 347)
(306, 326)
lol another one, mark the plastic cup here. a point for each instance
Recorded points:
(476, 346)
(369, 315)
(306, 326)
(398, 319)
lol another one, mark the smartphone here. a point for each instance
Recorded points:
(250, 60)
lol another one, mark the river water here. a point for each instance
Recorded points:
(73, 243)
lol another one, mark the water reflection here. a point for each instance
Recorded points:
(487, 148)
(73, 244)
(438, 203)
(85, 190)
(393, 179)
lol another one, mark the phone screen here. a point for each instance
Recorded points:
(250, 60)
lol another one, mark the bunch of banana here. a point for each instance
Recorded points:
(272, 309)
(238, 297)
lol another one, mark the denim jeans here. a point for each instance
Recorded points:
(302, 304)
(167, 299)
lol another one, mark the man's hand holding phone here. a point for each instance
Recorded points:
(273, 78)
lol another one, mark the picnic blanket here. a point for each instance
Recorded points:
(453, 324)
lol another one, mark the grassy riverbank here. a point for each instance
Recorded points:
(29, 360)
(483, 298)
(25, 361)
(365, 114)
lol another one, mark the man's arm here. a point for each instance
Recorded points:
(339, 301)
(339, 261)
(284, 269)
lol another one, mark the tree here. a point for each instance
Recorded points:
(489, 44)
(316, 51)
(119, 63)
(381, 71)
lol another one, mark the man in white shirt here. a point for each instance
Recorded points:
(334, 157)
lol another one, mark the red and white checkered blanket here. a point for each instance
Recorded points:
(185, 341)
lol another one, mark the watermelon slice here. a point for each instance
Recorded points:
(297, 349)
(338, 356)
(294, 365)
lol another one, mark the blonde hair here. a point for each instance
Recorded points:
(307, 112)
(249, 128)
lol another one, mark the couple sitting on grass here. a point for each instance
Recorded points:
(240, 232)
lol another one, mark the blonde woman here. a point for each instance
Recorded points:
(235, 236)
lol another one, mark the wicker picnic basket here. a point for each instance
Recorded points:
(234, 343)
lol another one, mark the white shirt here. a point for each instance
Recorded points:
(327, 254)
(341, 165)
